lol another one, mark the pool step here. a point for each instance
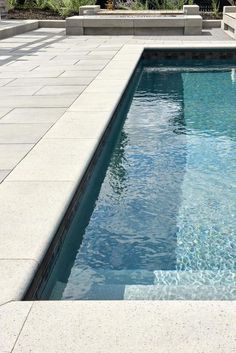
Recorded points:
(148, 285)
(195, 278)
(126, 276)
(156, 292)
(201, 292)
(175, 285)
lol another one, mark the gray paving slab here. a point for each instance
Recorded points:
(3, 174)
(93, 61)
(12, 319)
(101, 86)
(90, 66)
(18, 65)
(22, 133)
(99, 102)
(37, 101)
(60, 90)
(31, 58)
(4, 111)
(11, 154)
(76, 125)
(103, 54)
(80, 73)
(108, 47)
(30, 214)
(32, 115)
(24, 91)
(34, 73)
(55, 160)
(118, 327)
(59, 81)
(15, 277)
(4, 81)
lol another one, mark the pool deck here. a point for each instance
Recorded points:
(58, 94)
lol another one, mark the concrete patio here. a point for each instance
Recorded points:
(58, 94)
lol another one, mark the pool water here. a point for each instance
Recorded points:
(159, 217)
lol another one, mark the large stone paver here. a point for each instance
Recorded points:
(22, 133)
(24, 91)
(15, 276)
(118, 327)
(3, 174)
(32, 115)
(61, 90)
(30, 214)
(4, 111)
(37, 101)
(12, 318)
(55, 160)
(67, 81)
(80, 125)
(12, 153)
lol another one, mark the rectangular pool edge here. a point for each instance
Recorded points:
(192, 52)
(132, 49)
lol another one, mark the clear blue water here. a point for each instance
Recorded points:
(159, 218)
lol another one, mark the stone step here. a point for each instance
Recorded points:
(155, 292)
(127, 276)
(109, 276)
(147, 285)
(193, 278)
(201, 292)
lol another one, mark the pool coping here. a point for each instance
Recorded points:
(21, 267)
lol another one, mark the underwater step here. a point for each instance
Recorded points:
(109, 276)
(188, 292)
(225, 277)
(154, 292)
(147, 285)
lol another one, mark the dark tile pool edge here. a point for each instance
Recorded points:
(189, 53)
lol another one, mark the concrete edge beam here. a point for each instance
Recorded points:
(211, 24)
(52, 23)
(29, 25)
(228, 9)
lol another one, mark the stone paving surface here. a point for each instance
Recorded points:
(43, 72)
(56, 96)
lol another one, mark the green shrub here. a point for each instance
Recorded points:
(11, 4)
(62, 7)
(215, 7)
(68, 7)
(41, 4)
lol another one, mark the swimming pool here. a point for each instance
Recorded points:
(158, 218)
